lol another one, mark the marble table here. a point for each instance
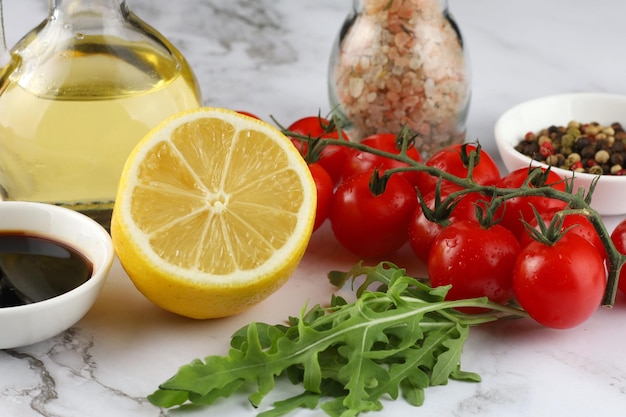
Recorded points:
(269, 57)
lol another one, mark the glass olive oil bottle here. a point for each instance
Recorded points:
(79, 92)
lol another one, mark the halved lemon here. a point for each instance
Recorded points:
(213, 213)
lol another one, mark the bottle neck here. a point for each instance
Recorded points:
(83, 15)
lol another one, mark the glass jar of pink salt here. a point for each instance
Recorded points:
(401, 63)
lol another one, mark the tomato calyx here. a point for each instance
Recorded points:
(378, 182)
(445, 202)
(541, 178)
(548, 234)
(472, 158)
(442, 208)
(314, 146)
(315, 149)
(405, 139)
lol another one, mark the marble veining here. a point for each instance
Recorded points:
(270, 57)
(55, 372)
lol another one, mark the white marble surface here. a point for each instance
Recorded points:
(269, 57)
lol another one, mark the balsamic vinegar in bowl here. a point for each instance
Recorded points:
(35, 268)
(53, 264)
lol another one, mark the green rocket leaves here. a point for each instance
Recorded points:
(395, 340)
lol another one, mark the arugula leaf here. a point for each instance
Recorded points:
(305, 400)
(399, 338)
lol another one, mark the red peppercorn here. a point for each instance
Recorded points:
(576, 165)
(546, 149)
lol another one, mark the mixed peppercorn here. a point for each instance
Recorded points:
(580, 147)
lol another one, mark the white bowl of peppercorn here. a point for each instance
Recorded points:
(579, 135)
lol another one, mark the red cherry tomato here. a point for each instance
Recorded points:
(560, 285)
(519, 208)
(368, 225)
(359, 161)
(450, 160)
(618, 236)
(476, 261)
(422, 231)
(332, 157)
(247, 113)
(324, 186)
(578, 224)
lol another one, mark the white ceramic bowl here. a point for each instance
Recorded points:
(609, 197)
(31, 323)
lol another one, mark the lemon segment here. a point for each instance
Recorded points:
(213, 213)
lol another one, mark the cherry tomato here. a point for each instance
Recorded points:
(519, 208)
(324, 186)
(422, 231)
(358, 161)
(332, 157)
(247, 113)
(574, 223)
(450, 160)
(560, 285)
(368, 225)
(618, 236)
(476, 261)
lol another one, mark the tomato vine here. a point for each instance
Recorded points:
(578, 201)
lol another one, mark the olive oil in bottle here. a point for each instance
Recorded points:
(74, 102)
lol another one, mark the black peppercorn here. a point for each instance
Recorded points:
(617, 159)
(580, 143)
(588, 152)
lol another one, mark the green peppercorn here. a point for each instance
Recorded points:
(553, 160)
(568, 140)
(573, 158)
(596, 170)
(543, 139)
(573, 132)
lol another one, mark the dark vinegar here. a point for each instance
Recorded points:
(35, 268)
